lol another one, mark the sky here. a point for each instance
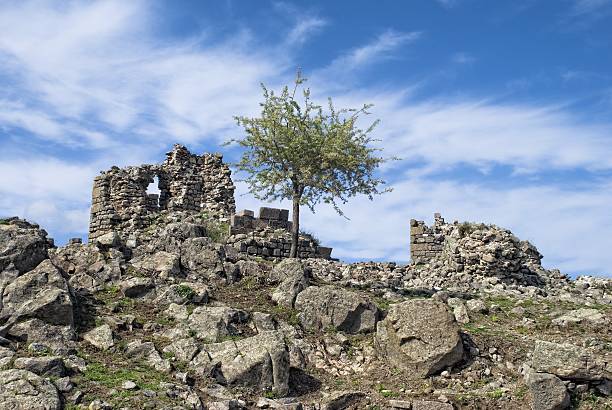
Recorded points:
(499, 111)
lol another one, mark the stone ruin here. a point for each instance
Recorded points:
(187, 182)
(268, 235)
(475, 249)
(193, 184)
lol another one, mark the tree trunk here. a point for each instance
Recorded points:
(295, 229)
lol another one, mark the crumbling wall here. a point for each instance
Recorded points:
(268, 235)
(475, 249)
(426, 243)
(187, 182)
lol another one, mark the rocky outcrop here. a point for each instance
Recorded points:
(260, 361)
(420, 336)
(23, 246)
(327, 306)
(293, 278)
(21, 390)
(570, 362)
(548, 391)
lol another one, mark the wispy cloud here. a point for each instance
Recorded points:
(304, 29)
(75, 89)
(380, 48)
(463, 58)
(582, 7)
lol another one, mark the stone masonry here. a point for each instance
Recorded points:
(187, 182)
(268, 235)
(426, 243)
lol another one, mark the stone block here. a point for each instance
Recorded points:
(246, 212)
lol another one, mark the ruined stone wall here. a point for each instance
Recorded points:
(187, 182)
(426, 243)
(268, 235)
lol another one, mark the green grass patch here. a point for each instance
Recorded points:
(145, 377)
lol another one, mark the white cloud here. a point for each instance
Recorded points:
(381, 47)
(304, 29)
(107, 68)
(446, 133)
(106, 82)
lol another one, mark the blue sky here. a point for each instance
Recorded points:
(499, 110)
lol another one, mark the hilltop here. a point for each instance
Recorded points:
(178, 301)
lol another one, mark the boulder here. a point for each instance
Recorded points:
(211, 323)
(22, 247)
(136, 287)
(6, 356)
(346, 311)
(430, 405)
(139, 350)
(100, 337)
(293, 278)
(108, 240)
(585, 316)
(548, 391)
(260, 362)
(183, 349)
(184, 292)
(341, 400)
(87, 266)
(42, 293)
(419, 336)
(160, 264)
(43, 366)
(570, 362)
(24, 390)
(200, 257)
(459, 310)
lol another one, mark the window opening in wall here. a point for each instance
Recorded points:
(153, 189)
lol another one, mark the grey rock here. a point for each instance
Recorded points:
(22, 247)
(6, 356)
(100, 337)
(346, 311)
(183, 349)
(419, 336)
(586, 316)
(42, 366)
(64, 384)
(476, 306)
(160, 264)
(548, 391)
(137, 349)
(184, 292)
(42, 293)
(400, 404)
(342, 400)
(261, 362)
(129, 385)
(459, 310)
(108, 240)
(137, 286)
(430, 405)
(569, 361)
(293, 277)
(211, 323)
(24, 390)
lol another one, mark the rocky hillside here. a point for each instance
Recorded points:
(180, 319)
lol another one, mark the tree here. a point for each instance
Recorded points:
(297, 151)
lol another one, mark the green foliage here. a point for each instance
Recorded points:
(296, 150)
(4, 221)
(185, 292)
(144, 376)
(467, 228)
(215, 230)
(496, 394)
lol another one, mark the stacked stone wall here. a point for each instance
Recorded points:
(268, 235)
(426, 243)
(187, 182)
